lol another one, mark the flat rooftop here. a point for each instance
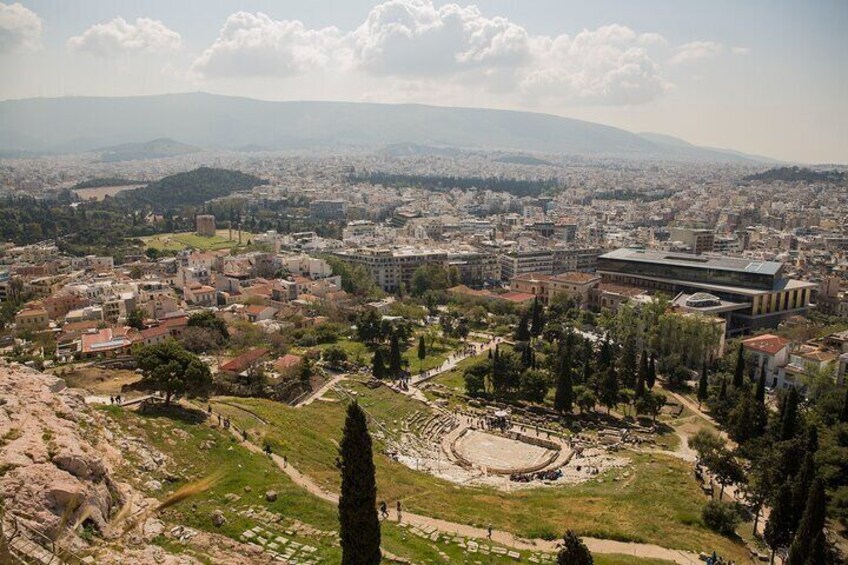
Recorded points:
(722, 263)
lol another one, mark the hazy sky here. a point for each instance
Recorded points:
(762, 76)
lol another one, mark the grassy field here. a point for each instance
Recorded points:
(197, 450)
(659, 502)
(180, 241)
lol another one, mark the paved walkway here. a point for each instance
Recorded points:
(321, 391)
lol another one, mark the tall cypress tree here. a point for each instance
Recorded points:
(564, 399)
(422, 349)
(703, 392)
(778, 530)
(811, 525)
(652, 371)
(642, 375)
(804, 478)
(739, 371)
(789, 415)
(605, 355)
(522, 331)
(378, 366)
(761, 385)
(395, 362)
(722, 390)
(359, 525)
(538, 319)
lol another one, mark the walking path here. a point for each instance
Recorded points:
(453, 360)
(321, 391)
(644, 550)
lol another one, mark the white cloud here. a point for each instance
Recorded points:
(695, 51)
(255, 45)
(120, 36)
(413, 37)
(20, 28)
(413, 46)
(740, 50)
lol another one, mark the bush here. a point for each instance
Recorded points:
(720, 517)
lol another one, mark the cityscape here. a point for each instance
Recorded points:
(412, 282)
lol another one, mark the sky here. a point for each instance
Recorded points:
(768, 77)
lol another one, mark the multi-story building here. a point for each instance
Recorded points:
(751, 294)
(328, 209)
(697, 240)
(474, 267)
(391, 267)
(571, 259)
(524, 262)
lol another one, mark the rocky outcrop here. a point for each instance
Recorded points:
(54, 473)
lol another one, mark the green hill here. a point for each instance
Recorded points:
(191, 189)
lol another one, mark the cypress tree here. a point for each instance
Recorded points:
(378, 366)
(359, 525)
(642, 375)
(811, 525)
(422, 349)
(739, 372)
(609, 388)
(522, 332)
(703, 393)
(804, 478)
(722, 391)
(605, 355)
(564, 399)
(652, 372)
(818, 551)
(395, 362)
(789, 416)
(778, 530)
(538, 318)
(761, 385)
(843, 416)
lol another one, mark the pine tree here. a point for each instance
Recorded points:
(761, 385)
(359, 525)
(652, 372)
(811, 525)
(778, 530)
(789, 415)
(395, 360)
(573, 551)
(703, 382)
(378, 366)
(739, 372)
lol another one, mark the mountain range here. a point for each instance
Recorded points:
(84, 124)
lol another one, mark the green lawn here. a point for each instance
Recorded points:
(180, 241)
(241, 468)
(659, 503)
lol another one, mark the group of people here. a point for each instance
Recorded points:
(384, 511)
(115, 400)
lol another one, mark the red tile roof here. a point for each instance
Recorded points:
(244, 361)
(768, 343)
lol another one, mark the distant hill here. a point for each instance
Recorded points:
(190, 189)
(75, 124)
(796, 174)
(155, 149)
(683, 149)
(100, 182)
(522, 160)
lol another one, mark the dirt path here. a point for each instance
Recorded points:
(321, 391)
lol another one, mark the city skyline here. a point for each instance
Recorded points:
(715, 75)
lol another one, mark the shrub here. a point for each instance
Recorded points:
(720, 517)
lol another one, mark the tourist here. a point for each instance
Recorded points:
(384, 510)
(111, 400)
(490, 532)
(398, 510)
(285, 462)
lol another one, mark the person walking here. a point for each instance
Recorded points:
(384, 510)
(489, 532)
(398, 511)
